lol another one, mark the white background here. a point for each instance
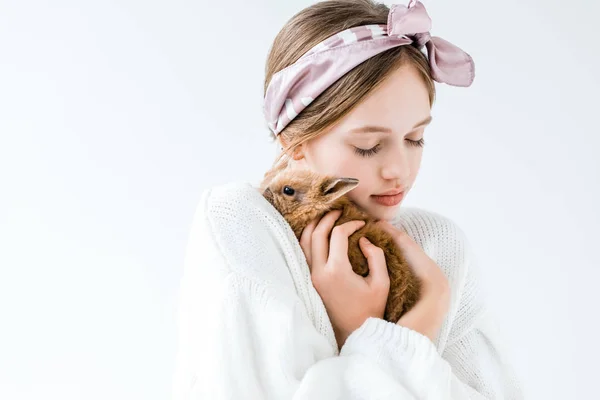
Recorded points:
(116, 115)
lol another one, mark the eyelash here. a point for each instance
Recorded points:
(373, 150)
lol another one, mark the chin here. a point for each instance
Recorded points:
(382, 212)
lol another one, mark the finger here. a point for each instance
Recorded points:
(339, 238)
(421, 264)
(378, 273)
(305, 239)
(320, 239)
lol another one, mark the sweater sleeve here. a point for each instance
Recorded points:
(243, 334)
(473, 365)
(257, 343)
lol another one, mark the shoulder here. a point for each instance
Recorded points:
(428, 225)
(238, 203)
(239, 224)
(440, 236)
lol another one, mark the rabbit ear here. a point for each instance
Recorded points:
(338, 187)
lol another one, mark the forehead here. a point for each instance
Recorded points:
(399, 102)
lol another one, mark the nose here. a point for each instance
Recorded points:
(396, 167)
(268, 195)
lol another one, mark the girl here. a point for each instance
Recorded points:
(348, 91)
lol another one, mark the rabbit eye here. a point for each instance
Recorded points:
(288, 191)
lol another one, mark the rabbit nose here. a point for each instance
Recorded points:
(268, 194)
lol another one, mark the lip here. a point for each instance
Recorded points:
(388, 200)
(392, 192)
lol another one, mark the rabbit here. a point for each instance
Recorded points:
(302, 195)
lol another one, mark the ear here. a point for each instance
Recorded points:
(337, 187)
(298, 153)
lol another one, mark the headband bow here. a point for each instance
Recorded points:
(293, 88)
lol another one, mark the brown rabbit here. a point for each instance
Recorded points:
(302, 195)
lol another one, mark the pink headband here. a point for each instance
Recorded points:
(293, 88)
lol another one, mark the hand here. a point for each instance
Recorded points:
(348, 297)
(427, 315)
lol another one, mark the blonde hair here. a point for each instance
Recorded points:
(316, 23)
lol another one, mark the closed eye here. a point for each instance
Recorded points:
(374, 150)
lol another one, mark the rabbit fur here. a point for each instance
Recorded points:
(302, 195)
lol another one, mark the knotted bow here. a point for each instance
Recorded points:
(449, 64)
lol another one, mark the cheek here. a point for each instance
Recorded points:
(345, 163)
(340, 161)
(330, 158)
(361, 193)
(353, 167)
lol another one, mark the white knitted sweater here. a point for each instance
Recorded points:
(252, 326)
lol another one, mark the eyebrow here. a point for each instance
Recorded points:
(373, 128)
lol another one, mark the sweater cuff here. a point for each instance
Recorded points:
(405, 354)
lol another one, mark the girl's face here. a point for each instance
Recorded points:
(379, 142)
